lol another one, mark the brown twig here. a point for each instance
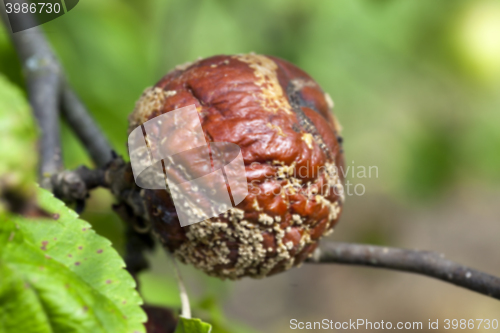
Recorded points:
(427, 263)
(74, 185)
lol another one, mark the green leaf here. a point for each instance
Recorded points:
(58, 275)
(18, 142)
(192, 325)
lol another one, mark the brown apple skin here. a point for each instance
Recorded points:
(291, 145)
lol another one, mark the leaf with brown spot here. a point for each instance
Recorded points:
(46, 285)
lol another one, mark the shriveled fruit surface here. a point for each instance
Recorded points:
(291, 145)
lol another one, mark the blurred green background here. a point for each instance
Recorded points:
(416, 86)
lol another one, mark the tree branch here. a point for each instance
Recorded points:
(74, 185)
(43, 81)
(85, 128)
(47, 88)
(427, 263)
